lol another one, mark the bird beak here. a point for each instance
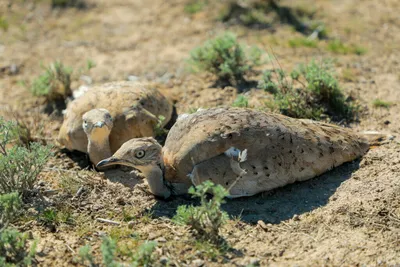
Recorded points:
(108, 162)
(114, 161)
(99, 124)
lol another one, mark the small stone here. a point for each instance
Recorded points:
(296, 217)
(131, 224)
(152, 236)
(133, 78)
(197, 263)
(254, 262)
(262, 225)
(121, 201)
(164, 260)
(386, 122)
(161, 240)
(41, 183)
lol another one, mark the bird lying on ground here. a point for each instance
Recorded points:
(244, 150)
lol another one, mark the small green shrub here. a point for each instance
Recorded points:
(143, 256)
(9, 206)
(54, 83)
(90, 64)
(379, 103)
(195, 6)
(85, 255)
(19, 166)
(108, 250)
(68, 3)
(241, 101)
(226, 58)
(338, 47)
(158, 128)
(4, 25)
(207, 219)
(302, 41)
(319, 93)
(14, 250)
(267, 84)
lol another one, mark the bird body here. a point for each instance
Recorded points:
(134, 110)
(246, 151)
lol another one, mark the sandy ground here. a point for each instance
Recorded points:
(349, 216)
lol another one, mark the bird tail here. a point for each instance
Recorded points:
(377, 138)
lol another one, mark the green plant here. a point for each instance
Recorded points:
(338, 47)
(241, 101)
(90, 64)
(302, 41)
(379, 103)
(267, 84)
(4, 25)
(85, 255)
(158, 128)
(311, 91)
(19, 166)
(54, 83)
(9, 206)
(195, 6)
(144, 254)
(205, 220)
(14, 249)
(226, 58)
(108, 249)
(68, 3)
(325, 89)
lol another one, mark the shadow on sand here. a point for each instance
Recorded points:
(276, 205)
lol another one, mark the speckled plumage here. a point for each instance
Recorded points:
(129, 103)
(280, 150)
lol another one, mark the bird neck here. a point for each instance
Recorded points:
(154, 174)
(99, 150)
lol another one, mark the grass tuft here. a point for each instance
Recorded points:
(312, 91)
(54, 83)
(379, 103)
(302, 42)
(224, 57)
(206, 219)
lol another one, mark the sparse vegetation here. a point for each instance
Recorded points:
(226, 58)
(302, 41)
(318, 93)
(241, 102)
(14, 249)
(195, 6)
(338, 47)
(143, 256)
(379, 103)
(19, 165)
(68, 3)
(54, 83)
(207, 219)
(9, 206)
(4, 23)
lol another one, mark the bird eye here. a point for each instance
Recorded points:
(139, 154)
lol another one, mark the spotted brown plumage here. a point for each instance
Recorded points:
(280, 150)
(131, 105)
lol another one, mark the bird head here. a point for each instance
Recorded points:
(97, 124)
(138, 153)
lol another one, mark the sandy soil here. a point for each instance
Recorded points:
(349, 216)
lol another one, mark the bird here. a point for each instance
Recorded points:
(246, 151)
(112, 114)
